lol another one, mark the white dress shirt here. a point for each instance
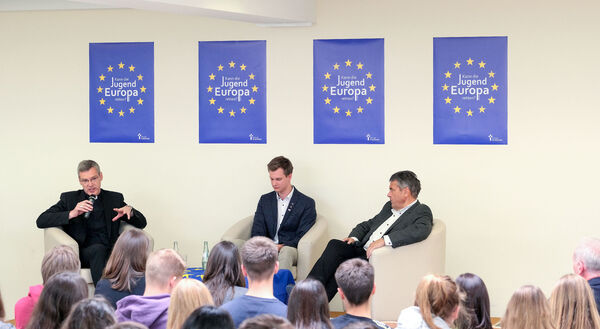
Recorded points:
(282, 206)
(380, 231)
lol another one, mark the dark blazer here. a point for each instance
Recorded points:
(413, 226)
(298, 219)
(58, 215)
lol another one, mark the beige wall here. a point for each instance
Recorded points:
(513, 212)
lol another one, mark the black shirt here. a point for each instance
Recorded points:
(95, 226)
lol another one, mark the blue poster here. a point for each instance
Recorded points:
(233, 93)
(122, 92)
(348, 91)
(470, 90)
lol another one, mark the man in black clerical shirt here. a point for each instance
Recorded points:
(91, 217)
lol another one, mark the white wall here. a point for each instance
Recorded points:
(513, 212)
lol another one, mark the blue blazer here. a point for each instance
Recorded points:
(299, 218)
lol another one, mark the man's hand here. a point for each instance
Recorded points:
(127, 210)
(376, 244)
(279, 246)
(81, 208)
(349, 240)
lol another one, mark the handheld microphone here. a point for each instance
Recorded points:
(92, 198)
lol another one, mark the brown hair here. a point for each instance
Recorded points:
(127, 261)
(281, 162)
(91, 313)
(59, 259)
(436, 295)
(162, 265)
(356, 278)
(572, 304)
(527, 309)
(266, 321)
(223, 271)
(128, 325)
(259, 256)
(2, 312)
(188, 295)
(308, 307)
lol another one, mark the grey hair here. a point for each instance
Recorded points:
(588, 251)
(408, 179)
(86, 165)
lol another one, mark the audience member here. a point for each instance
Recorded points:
(128, 325)
(436, 305)
(223, 274)
(308, 307)
(188, 295)
(4, 325)
(164, 269)
(527, 309)
(56, 260)
(355, 279)
(572, 304)
(586, 263)
(266, 321)
(362, 325)
(90, 313)
(124, 271)
(259, 264)
(209, 317)
(60, 293)
(475, 305)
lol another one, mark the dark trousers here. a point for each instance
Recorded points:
(94, 257)
(335, 253)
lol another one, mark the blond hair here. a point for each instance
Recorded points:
(527, 309)
(437, 295)
(573, 305)
(162, 265)
(59, 259)
(188, 295)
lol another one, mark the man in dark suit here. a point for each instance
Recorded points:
(285, 214)
(402, 221)
(92, 217)
(586, 263)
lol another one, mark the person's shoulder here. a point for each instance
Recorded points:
(103, 285)
(267, 196)
(422, 208)
(70, 194)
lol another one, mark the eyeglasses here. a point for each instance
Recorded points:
(91, 180)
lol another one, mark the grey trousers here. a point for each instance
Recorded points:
(288, 257)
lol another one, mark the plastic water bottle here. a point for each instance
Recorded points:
(205, 255)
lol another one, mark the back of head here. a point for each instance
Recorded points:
(475, 308)
(127, 260)
(437, 295)
(2, 311)
(408, 179)
(223, 270)
(308, 307)
(259, 256)
(162, 265)
(356, 278)
(188, 295)
(209, 317)
(266, 321)
(60, 293)
(587, 253)
(572, 304)
(281, 162)
(91, 313)
(59, 259)
(527, 309)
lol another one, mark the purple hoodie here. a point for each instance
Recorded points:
(150, 311)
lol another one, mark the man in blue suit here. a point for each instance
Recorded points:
(285, 214)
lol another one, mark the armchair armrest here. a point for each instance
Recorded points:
(55, 236)
(239, 232)
(311, 246)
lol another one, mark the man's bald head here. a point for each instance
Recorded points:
(162, 265)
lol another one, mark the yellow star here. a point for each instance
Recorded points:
(140, 77)
(482, 109)
(121, 65)
(243, 67)
(121, 113)
(143, 89)
(99, 89)
(457, 109)
(372, 87)
(469, 113)
(102, 101)
(220, 67)
(359, 65)
(448, 74)
(251, 100)
(109, 68)
(131, 68)
(348, 113)
(336, 110)
(325, 87)
(492, 74)
(469, 61)
(209, 89)
(482, 64)
(102, 77)
(211, 76)
(491, 99)
(369, 100)
(448, 100)
(131, 110)
(348, 62)
(110, 110)
(140, 101)
(359, 109)
(336, 66)
(445, 87)
(457, 65)
(231, 65)
(243, 110)
(212, 101)
(231, 113)
(369, 75)
(327, 100)
(327, 75)
(251, 76)
(220, 109)
(495, 87)
(254, 88)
